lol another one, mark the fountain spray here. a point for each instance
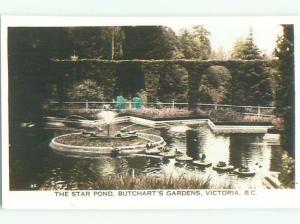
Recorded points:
(108, 117)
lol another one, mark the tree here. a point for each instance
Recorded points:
(253, 86)
(173, 84)
(215, 85)
(218, 54)
(246, 49)
(97, 42)
(195, 44)
(285, 89)
(31, 73)
(150, 42)
(146, 42)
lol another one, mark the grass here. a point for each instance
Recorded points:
(138, 183)
(150, 182)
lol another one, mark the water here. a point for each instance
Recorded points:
(33, 165)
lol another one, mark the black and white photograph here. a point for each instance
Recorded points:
(176, 107)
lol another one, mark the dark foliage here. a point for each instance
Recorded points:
(31, 77)
(34, 79)
(216, 85)
(285, 87)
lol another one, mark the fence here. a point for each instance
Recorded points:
(249, 110)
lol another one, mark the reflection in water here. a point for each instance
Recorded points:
(104, 166)
(192, 144)
(215, 147)
(247, 150)
(34, 165)
(276, 158)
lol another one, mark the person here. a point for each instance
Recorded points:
(120, 105)
(137, 102)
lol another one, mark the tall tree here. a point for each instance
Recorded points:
(253, 86)
(97, 42)
(285, 88)
(195, 44)
(150, 42)
(218, 54)
(246, 49)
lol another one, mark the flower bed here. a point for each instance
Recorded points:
(165, 114)
(221, 117)
(78, 140)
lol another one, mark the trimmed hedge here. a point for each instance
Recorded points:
(250, 79)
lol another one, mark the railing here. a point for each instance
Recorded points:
(88, 105)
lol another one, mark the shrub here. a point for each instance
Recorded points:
(287, 175)
(86, 89)
(215, 85)
(232, 116)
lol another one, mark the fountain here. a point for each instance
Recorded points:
(95, 143)
(108, 117)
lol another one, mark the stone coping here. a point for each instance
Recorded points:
(156, 141)
(255, 129)
(216, 128)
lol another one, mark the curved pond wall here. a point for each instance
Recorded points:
(156, 141)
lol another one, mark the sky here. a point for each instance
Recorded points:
(225, 35)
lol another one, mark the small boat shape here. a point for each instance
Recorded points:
(115, 152)
(149, 145)
(244, 172)
(99, 129)
(123, 129)
(202, 163)
(178, 153)
(118, 134)
(169, 154)
(167, 149)
(132, 132)
(202, 156)
(223, 167)
(27, 125)
(152, 151)
(179, 164)
(183, 158)
(165, 160)
(88, 134)
(54, 124)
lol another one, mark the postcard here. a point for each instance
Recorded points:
(149, 112)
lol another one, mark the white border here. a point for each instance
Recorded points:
(47, 200)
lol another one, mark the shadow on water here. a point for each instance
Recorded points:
(250, 150)
(193, 143)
